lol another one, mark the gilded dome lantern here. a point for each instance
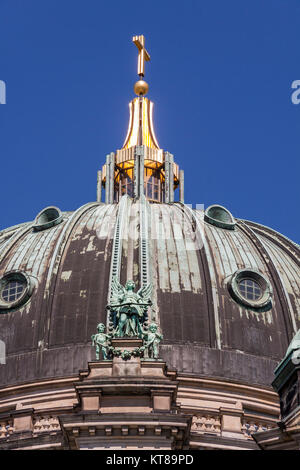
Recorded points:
(141, 166)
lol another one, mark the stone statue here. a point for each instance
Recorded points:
(128, 308)
(153, 338)
(101, 341)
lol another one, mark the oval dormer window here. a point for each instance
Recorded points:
(47, 218)
(15, 289)
(220, 217)
(250, 288)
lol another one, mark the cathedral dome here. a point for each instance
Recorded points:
(226, 299)
(189, 311)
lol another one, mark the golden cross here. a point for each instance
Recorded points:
(139, 41)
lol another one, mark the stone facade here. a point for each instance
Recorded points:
(141, 404)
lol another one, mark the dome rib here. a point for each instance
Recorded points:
(291, 283)
(56, 258)
(190, 274)
(288, 320)
(210, 279)
(17, 235)
(291, 248)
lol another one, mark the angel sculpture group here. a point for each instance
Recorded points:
(128, 309)
(128, 313)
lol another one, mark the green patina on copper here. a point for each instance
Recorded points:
(128, 319)
(128, 309)
(289, 364)
(102, 341)
(152, 339)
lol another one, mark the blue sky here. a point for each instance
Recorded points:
(220, 77)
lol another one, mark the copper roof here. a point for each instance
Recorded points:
(206, 332)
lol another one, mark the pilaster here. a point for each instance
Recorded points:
(99, 186)
(169, 177)
(110, 174)
(181, 186)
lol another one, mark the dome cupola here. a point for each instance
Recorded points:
(141, 166)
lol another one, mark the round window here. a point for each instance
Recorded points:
(250, 288)
(12, 290)
(15, 289)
